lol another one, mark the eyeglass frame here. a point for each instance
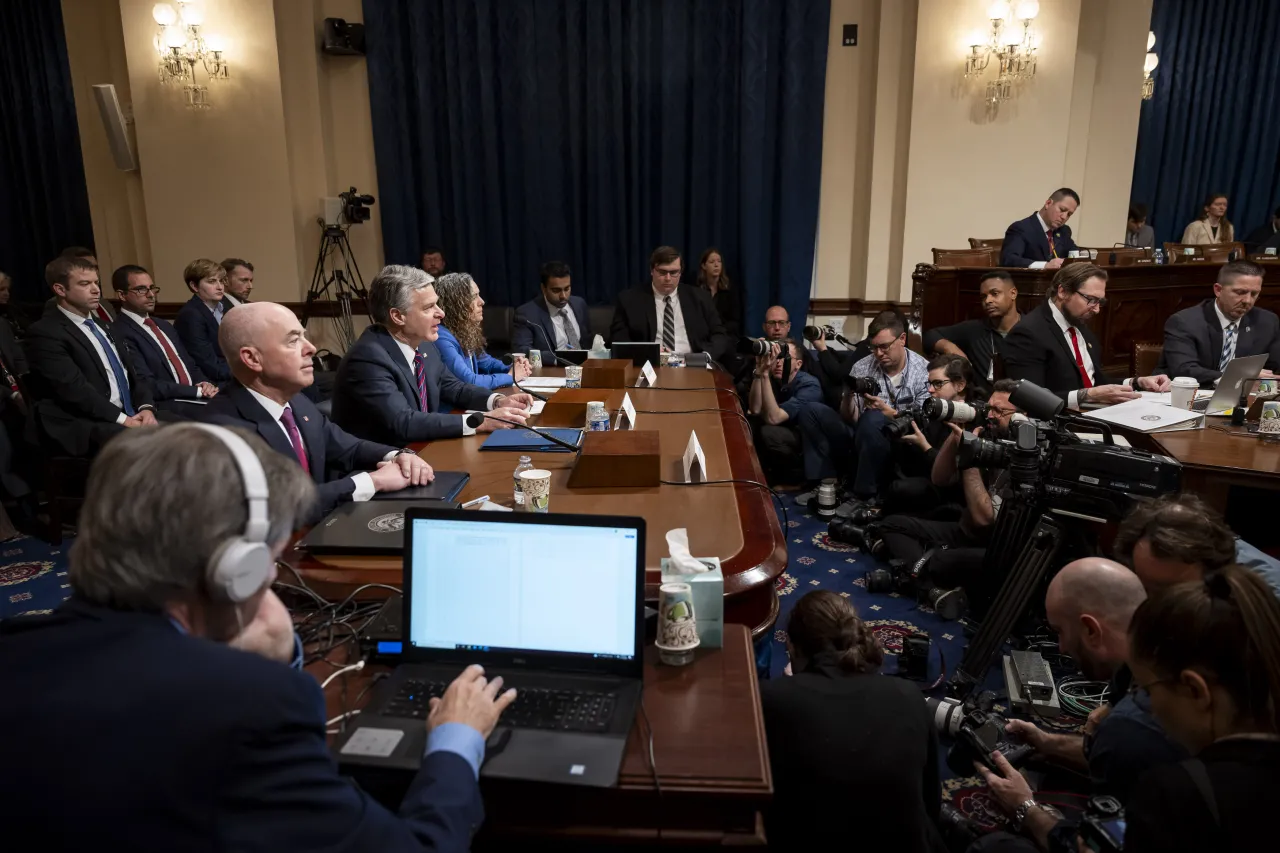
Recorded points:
(153, 289)
(877, 348)
(938, 384)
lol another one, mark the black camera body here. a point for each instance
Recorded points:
(900, 426)
(913, 660)
(980, 733)
(861, 385)
(1102, 826)
(355, 206)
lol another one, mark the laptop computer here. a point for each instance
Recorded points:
(639, 352)
(1227, 394)
(367, 527)
(552, 603)
(576, 356)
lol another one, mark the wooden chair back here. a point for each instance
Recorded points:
(1145, 357)
(987, 243)
(965, 257)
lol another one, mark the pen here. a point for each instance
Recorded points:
(478, 500)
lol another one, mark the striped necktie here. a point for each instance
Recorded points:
(668, 325)
(1228, 346)
(420, 376)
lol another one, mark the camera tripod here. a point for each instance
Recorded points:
(343, 275)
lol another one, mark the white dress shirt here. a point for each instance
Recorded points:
(142, 321)
(364, 488)
(562, 320)
(1044, 229)
(409, 352)
(682, 337)
(1224, 321)
(231, 297)
(116, 399)
(1072, 402)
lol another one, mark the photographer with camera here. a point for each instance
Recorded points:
(1089, 605)
(831, 366)
(780, 391)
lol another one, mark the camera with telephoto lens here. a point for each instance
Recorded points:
(355, 206)
(861, 385)
(1103, 824)
(978, 731)
(900, 426)
(954, 411)
(896, 577)
(757, 346)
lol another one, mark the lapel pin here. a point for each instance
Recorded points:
(307, 419)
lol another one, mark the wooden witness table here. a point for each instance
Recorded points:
(710, 775)
(1216, 459)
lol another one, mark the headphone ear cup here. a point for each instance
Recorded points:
(239, 569)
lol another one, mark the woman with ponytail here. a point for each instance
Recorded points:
(854, 753)
(1208, 654)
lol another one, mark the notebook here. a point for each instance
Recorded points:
(526, 441)
(445, 487)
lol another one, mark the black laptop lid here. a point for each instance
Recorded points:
(553, 592)
(366, 527)
(639, 352)
(445, 487)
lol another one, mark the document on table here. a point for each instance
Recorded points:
(538, 383)
(1146, 416)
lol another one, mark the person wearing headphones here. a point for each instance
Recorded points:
(163, 707)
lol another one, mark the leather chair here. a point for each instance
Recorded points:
(601, 317)
(985, 257)
(996, 243)
(1145, 357)
(498, 323)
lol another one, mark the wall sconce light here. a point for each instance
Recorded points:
(1014, 51)
(1148, 68)
(182, 47)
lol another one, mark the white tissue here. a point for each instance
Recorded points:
(682, 563)
(598, 349)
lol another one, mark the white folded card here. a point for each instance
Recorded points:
(695, 462)
(537, 383)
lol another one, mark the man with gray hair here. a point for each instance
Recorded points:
(270, 360)
(171, 681)
(393, 385)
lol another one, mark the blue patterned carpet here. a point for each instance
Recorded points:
(33, 576)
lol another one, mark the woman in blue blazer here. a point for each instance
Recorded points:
(461, 342)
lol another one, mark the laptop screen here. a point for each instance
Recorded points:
(500, 586)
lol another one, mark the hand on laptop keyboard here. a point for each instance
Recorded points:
(533, 708)
(471, 700)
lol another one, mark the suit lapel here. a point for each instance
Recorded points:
(393, 351)
(270, 430)
(651, 314)
(1215, 333)
(1042, 237)
(548, 325)
(308, 418)
(1055, 332)
(78, 337)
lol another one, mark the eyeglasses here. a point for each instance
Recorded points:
(667, 273)
(778, 323)
(1135, 688)
(1099, 301)
(884, 347)
(936, 384)
(1000, 412)
(143, 291)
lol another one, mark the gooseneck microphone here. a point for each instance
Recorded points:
(476, 418)
(511, 360)
(525, 321)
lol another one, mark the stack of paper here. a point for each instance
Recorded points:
(539, 383)
(1146, 416)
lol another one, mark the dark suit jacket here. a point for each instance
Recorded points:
(14, 359)
(152, 363)
(199, 331)
(375, 395)
(331, 453)
(193, 746)
(1036, 350)
(524, 338)
(1025, 244)
(826, 729)
(69, 382)
(728, 305)
(1193, 341)
(635, 318)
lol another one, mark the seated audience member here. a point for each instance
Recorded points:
(9, 310)
(13, 421)
(556, 319)
(1137, 233)
(1212, 226)
(1089, 604)
(713, 278)
(159, 355)
(433, 261)
(852, 752)
(1264, 235)
(271, 364)
(198, 320)
(682, 319)
(103, 312)
(1178, 538)
(461, 343)
(981, 340)
(1054, 347)
(775, 408)
(82, 378)
(1208, 653)
(239, 280)
(206, 732)
(1200, 340)
(946, 555)
(1043, 239)
(392, 385)
(855, 437)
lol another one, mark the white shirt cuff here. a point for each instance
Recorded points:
(392, 455)
(493, 399)
(364, 486)
(1131, 382)
(121, 418)
(199, 392)
(1073, 401)
(1038, 265)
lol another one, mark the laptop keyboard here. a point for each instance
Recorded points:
(534, 708)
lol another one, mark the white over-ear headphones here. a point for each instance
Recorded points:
(241, 565)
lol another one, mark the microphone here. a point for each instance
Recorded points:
(524, 321)
(476, 418)
(511, 360)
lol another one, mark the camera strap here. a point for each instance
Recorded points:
(1200, 778)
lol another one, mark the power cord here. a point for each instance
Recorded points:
(1079, 696)
(786, 523)
(653, 763)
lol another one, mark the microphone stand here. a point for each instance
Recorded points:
(521, 321)
(473, 422)
(511, 360)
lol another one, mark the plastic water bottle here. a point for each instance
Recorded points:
(597, 417)
(1159, 256)
(526, 464)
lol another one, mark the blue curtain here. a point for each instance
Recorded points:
(44, 203)
(513, 132)
(1214, 123)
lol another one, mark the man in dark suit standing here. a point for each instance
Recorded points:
(159, 355)
(556, 319)
(216, 735)
(1199, 341)
(271, 363)
(82, 379)
(682, 319)
(1043, 239)
(1053, 347)
(393, 386)
(198, 321)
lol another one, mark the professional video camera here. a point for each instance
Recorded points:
(355, 206)
(978, 731)
(1102, 827)
(954, 411)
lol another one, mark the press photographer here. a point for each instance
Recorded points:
(831, 366)
(780, 391)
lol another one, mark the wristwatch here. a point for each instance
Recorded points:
(402, 451)
(1020, 813)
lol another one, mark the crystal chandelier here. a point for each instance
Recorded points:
(183, 49)
(1014, 49)
(1148, 68)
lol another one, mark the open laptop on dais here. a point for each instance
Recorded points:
(1227, 394)
(552, 603)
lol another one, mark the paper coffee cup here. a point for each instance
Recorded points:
(536, 485)
(573, 376)
(1183, 392)
(677, 624)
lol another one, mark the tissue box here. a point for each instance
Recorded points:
(708, 599)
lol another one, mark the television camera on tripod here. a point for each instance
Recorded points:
(336, 265)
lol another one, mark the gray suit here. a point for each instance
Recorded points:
(1193, 341)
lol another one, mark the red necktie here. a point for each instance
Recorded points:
(1075, 345)
(1049, 236)
(295, 438)
(102, 314)
(170, 353)
(420, 376)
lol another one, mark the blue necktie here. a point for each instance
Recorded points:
(1228, 346)
(122, 382)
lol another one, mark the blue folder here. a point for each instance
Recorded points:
(524, 441)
